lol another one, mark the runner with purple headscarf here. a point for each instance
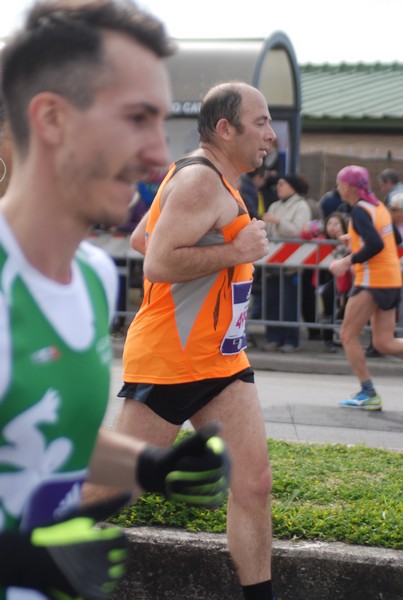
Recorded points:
(375, 294)
(358, 177)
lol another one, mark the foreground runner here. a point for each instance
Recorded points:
(86, 93)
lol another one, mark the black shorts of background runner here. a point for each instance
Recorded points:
(385, 298)
(177, 403)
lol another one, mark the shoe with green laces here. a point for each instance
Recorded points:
(363, 401)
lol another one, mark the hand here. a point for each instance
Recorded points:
(196, 471)
(252, 242)
(69, 558)
(345, 240)
(340, 266)
(270, 218)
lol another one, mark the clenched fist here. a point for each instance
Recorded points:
(251, 242)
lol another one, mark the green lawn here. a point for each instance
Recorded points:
(320, 492)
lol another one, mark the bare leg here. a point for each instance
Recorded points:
(136, 420)
(249, 522)
(359, 309)
(383, 328)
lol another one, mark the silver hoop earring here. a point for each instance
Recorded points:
(2, 178)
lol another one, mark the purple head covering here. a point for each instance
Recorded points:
(358, 177)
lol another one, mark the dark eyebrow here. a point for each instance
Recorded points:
(150, 108)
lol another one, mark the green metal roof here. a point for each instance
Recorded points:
(352, 95)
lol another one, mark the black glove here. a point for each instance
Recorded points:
(69, 558)
(196, 471)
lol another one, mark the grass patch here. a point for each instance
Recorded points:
(320, 492)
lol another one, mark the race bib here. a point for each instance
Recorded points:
(235, 339)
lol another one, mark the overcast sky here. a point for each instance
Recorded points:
(320, 31)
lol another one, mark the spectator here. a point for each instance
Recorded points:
(308, 297)
(331, 202)
(137, 210)
(131, 273)
(396, 210)
(148, 187)
(389, 184)
(285, 219)
(250, 185)
(274, 169)
(250, 190)
(333, 228)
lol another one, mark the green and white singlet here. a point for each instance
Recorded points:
(54, 379)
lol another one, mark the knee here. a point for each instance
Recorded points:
(380, 344)
(345, 335)
(252, 488)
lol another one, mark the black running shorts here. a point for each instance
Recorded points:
(385, 298)
(179, 402)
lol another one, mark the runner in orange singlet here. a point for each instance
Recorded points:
(377, 281)
(184, 356)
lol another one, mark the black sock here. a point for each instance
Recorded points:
(258, 591)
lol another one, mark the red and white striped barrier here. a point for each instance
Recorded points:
(297, 254)
(303, 254)
(291, 254)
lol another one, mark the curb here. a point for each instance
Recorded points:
(179, 565)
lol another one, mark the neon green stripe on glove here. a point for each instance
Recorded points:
(68, 559)
(196, 471)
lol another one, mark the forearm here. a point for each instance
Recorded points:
(367, 252)
(185, 264)
(373, 242)
(114, 461)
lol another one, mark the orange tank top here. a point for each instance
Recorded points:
(192, 330)
(383, 269)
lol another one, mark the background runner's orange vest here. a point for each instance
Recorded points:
(382, 270)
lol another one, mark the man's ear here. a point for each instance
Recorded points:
(223, 128)
(47, 112)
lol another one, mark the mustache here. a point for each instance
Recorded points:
(133, 174)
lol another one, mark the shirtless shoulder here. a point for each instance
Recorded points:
(198, 187)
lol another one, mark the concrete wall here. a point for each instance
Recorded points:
(177, 565)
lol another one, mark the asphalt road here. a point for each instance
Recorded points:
(304, 407)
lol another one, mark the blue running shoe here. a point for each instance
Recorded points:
(363, 401)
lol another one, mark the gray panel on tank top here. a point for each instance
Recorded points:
(189, 296)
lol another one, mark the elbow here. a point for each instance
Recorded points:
(154, 272)
(138, 243)
(381, 246)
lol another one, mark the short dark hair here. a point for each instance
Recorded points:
(60, 49)
(389, 175)
(221, 102)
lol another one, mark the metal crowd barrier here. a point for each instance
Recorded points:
(298, 256)
(284, 254)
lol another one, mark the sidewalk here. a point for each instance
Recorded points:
(310, 357)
